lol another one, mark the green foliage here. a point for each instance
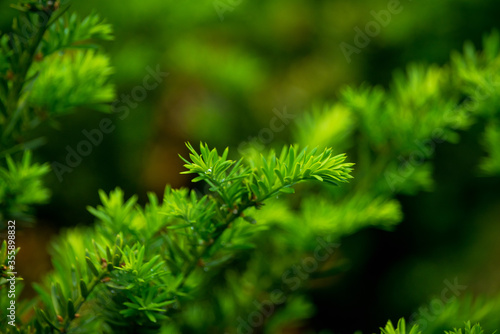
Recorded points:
(143, 262)
(66, 291)
(37, 84)
(192, 262)
(400, 329)
(268, 177)
(351, 215)
(476, 309)
(478, 78)
(21, 188)
(4, 263)
(70, 32)
(491, 164)
(396, 133)
(476, 329)
(72, 80)
(49, 65)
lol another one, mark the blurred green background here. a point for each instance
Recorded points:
(228, 72)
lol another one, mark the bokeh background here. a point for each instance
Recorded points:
(227, 73)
